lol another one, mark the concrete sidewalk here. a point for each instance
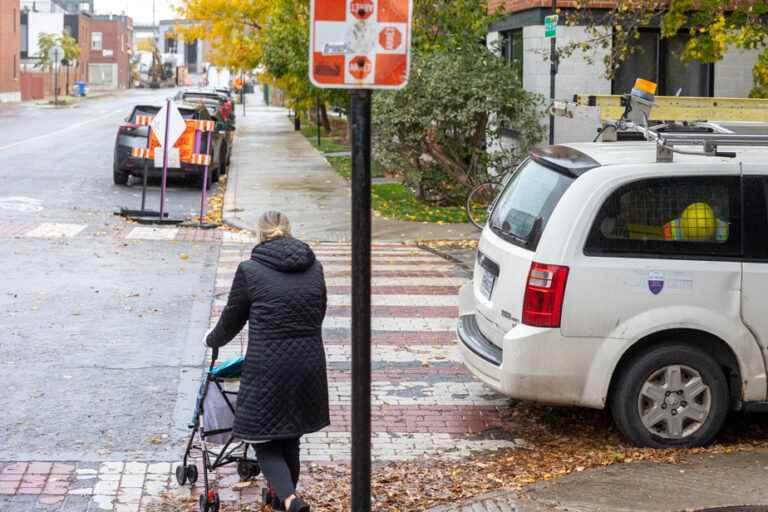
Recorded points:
(275, 167)
(707, 481)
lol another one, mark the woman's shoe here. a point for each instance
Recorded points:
(298, 505)
(269, 497)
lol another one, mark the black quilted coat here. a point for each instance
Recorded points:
(281, 292)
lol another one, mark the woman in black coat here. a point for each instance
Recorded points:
(283, 392)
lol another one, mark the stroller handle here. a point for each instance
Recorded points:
(214, 356)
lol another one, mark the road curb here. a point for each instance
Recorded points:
(230, 198)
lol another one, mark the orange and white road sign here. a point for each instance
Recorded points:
(142, 120)
(360, 44)
(205, 126)
(142, 153)
(200, 159)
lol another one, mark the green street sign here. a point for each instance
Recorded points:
(550, 26)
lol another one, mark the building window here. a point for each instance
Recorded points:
(512, 50)
(15, 70)
(13, 20)
(24, 48)
(658, 59)
(96, 41)
(171, 45)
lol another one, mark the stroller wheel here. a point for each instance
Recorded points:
(248, 470)
(209, 502)
(181, 474)
(192, 474)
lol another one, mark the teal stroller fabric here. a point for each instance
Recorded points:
(229, 369)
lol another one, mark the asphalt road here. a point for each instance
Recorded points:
(62, 160)
(100, 347)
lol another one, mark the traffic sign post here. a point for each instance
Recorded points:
(163, 130)
(168, 126)
(360, 45)
(55, 54)
(550, 32)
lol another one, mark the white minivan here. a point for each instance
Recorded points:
(607, 278)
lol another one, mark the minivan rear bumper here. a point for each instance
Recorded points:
(539, 364)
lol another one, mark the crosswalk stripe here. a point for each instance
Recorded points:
(400, 281)
(224, 282)
(395, 323)
(55, 230)
(398, 354)
(398, 300)
(469, 392)
(437, 267)
(148, 233)
(343, 260)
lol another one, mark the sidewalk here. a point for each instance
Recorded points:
(705, 482)
(275, 167)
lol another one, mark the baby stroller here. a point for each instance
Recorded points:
(212, 424)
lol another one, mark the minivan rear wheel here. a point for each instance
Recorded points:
(671, 396)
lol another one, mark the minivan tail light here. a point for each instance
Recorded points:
(544, 294)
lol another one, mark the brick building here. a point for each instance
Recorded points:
(520, 39)
(10, 71)
(111, 49)
(79, 27)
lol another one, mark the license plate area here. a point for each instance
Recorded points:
(490, 272)
(487, 282)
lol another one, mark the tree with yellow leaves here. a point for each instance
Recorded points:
(233, 28)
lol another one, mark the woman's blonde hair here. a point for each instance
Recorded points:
(273, 224)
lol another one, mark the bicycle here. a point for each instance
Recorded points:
(479, 202)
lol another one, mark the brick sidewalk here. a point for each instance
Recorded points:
(424, 402)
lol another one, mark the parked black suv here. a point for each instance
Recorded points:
(130, 135)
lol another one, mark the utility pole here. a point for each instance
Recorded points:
(552, 75)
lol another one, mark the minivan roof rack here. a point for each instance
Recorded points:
(684, 121)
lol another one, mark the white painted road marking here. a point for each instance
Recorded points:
(147, 233)
(55, 230)
(380, 281)
(398, 354)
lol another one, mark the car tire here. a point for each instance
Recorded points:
(120, 177)
(650, 400)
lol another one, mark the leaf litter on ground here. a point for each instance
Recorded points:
(551, 442)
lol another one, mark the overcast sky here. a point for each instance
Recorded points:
(139, 10)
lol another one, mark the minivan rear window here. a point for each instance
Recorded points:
(523, 209)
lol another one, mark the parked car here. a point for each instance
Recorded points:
(607, 279)
(130, 135)
(218, 103)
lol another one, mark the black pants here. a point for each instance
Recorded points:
(279, 461)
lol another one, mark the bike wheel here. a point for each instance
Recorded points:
(479, 201)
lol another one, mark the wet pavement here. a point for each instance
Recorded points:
(101, 323)
(275, 167)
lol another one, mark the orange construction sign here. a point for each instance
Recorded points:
(360, 44)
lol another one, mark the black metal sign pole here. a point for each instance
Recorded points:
(317, 118)
(553, 62)
(360, 117)
(146, 170)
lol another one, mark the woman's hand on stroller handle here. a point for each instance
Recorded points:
(215, 350)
